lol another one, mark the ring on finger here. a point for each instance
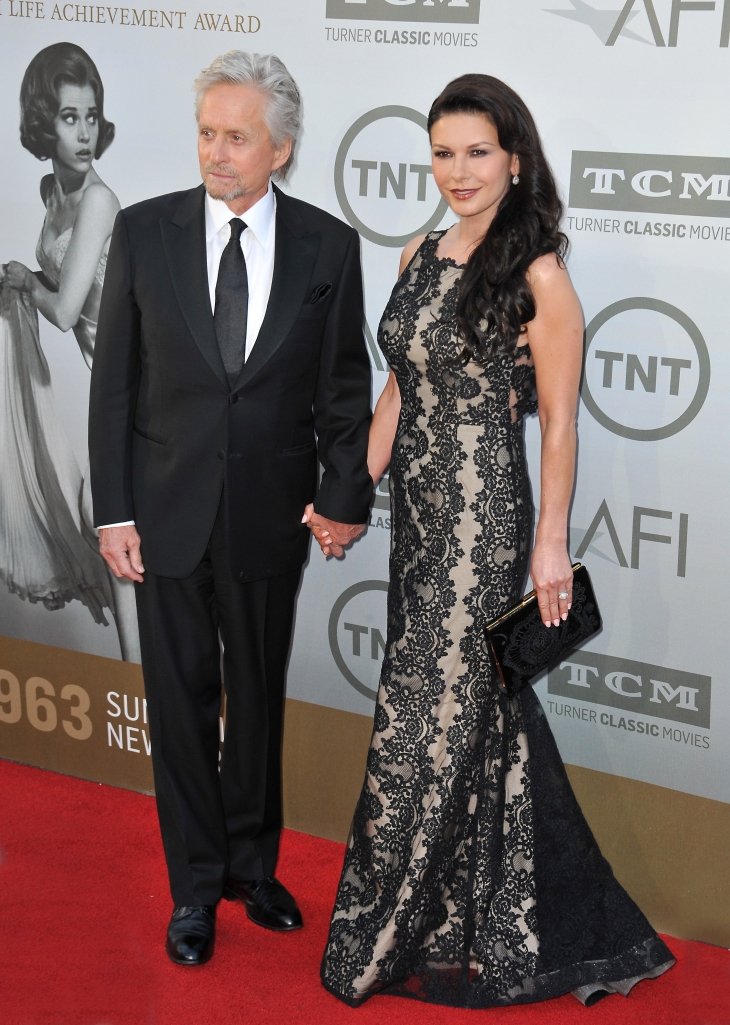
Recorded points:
(563, 595)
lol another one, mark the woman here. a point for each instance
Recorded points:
(471, 877)
(49, 551)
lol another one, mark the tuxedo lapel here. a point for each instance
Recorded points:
(183, 238)
(294, 257)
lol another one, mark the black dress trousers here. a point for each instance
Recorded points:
(216, 821)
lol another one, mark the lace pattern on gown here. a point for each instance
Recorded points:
(471, 877)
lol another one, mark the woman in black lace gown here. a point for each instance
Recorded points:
(471, 877)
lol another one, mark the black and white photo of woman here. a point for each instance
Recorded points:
(48, 548)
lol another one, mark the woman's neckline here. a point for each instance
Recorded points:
(47, 246)
(446, 259)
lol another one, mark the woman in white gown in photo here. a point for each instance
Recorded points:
(48, 548)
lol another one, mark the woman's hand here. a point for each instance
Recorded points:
(331, 536)
(552, 577)
(18, 276)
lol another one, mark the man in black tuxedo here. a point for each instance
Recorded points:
(229, 359)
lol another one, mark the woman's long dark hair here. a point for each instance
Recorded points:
(495, 300)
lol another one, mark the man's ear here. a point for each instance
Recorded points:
(281, 155)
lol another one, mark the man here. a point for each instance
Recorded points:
(229, 356)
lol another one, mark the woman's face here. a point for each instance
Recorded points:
(77, 127)
(470, 167)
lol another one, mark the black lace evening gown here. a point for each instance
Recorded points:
(471, 877)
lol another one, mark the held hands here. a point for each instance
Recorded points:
(120, 549)
(331, 536)
(552, 576)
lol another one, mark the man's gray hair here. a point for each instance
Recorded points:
(264, 71)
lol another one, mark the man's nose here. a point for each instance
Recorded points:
(218, 151)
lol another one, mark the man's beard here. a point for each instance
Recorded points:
(225, 192)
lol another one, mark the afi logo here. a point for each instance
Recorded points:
(675, 528)
(655, 691)
(679, 8)
(636, 16)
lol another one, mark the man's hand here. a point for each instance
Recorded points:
(120, 549)
(333, 537)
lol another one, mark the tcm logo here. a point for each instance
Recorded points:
(357, 634)
(636, 686)
(645, 526)
(647, 369)
(639, 21)
(386, 194)
(650, 183)
(445, 12)
(382, 493)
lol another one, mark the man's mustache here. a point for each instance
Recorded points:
(220, 169)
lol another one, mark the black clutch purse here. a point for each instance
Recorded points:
(521, 645)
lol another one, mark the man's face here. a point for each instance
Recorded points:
(237, 156)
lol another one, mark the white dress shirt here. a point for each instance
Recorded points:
(257, 243)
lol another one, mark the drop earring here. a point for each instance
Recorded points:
(515, 179)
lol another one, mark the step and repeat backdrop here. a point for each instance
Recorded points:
(630, 98)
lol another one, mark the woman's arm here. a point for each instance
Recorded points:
(387, 408)
(92, 228)
(382, 428)
(556, 342)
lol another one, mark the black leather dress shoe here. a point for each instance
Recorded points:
(267, 903)
(191, 934)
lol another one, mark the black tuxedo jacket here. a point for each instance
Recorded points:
(167, 434)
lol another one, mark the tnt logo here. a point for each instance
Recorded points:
(384, 191)
(357, 634)
(647, 369)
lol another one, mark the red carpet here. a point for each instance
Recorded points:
(85, 905)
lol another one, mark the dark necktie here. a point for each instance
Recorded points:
(231, 303)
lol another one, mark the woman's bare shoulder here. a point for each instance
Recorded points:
(546, 269)
(409, 251)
